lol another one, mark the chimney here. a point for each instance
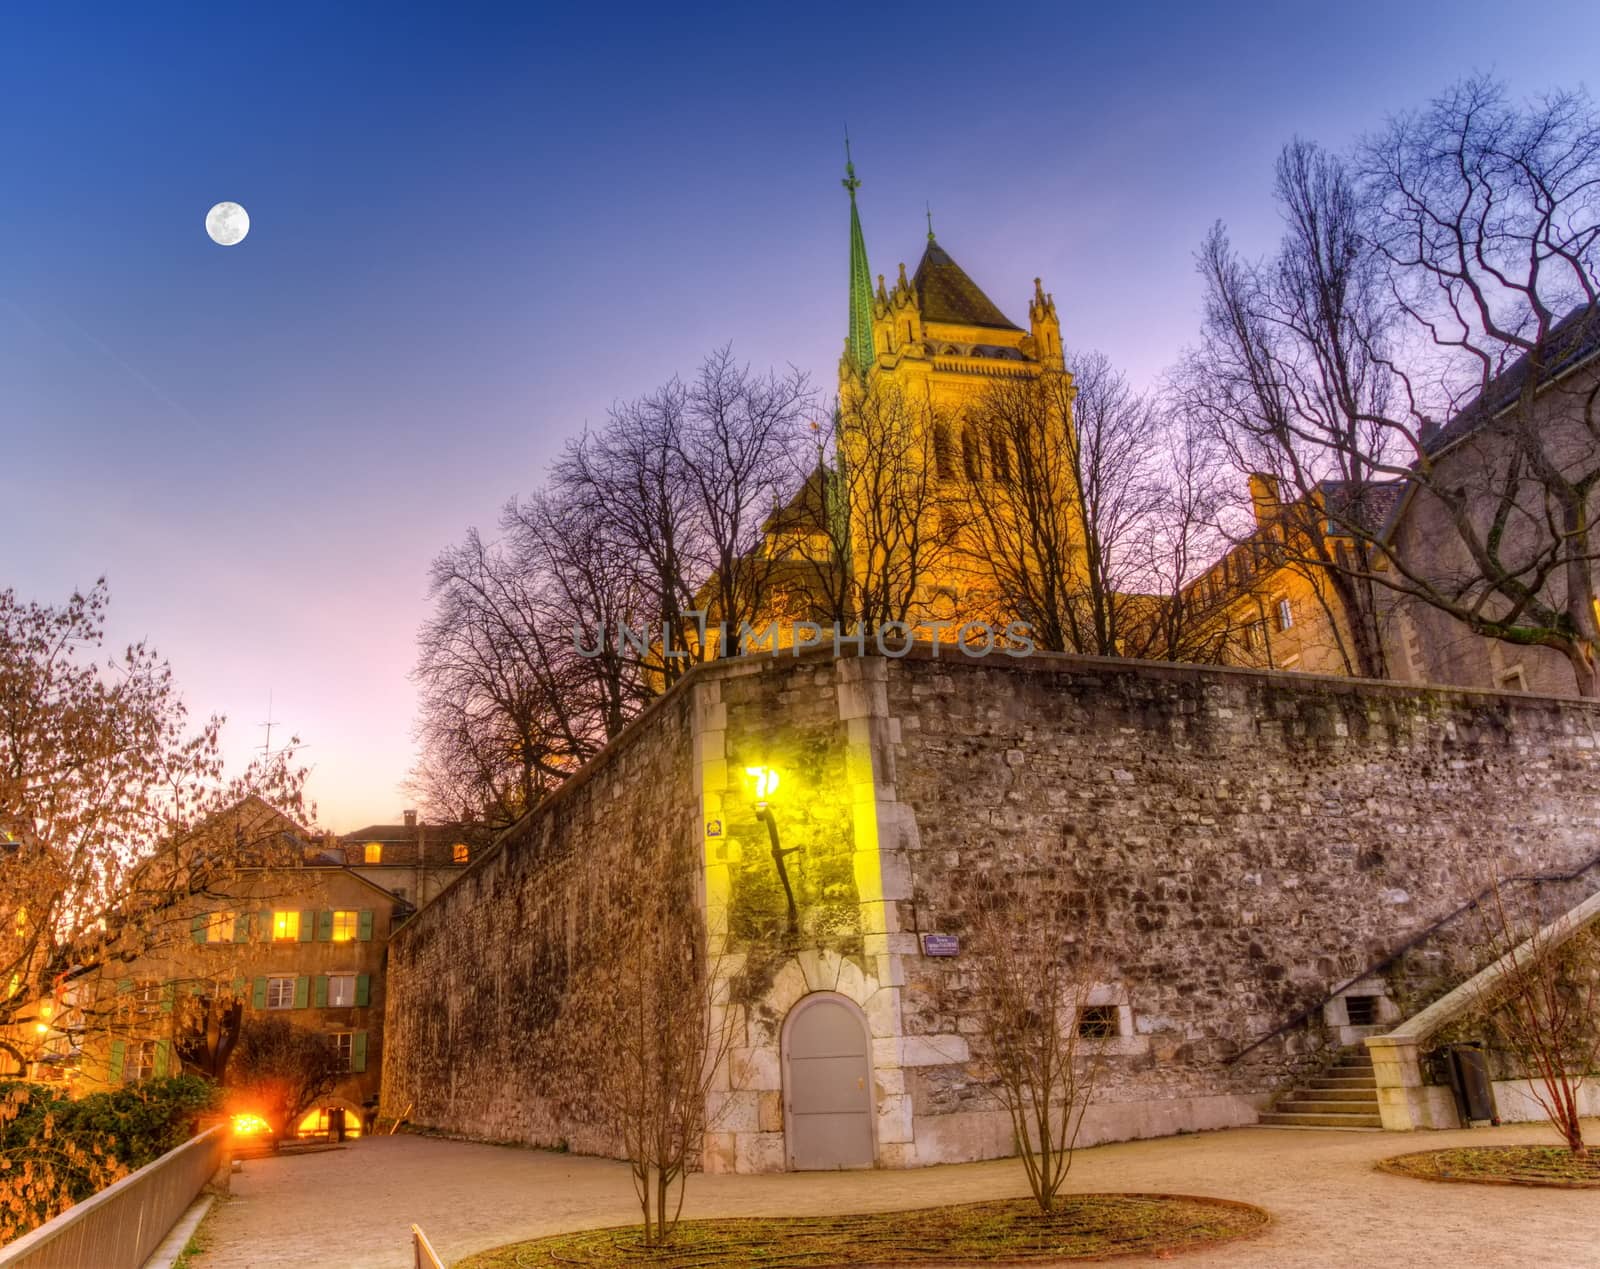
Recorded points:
(1263, 497)
(410, 818)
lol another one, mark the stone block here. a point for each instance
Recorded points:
(934, 1050)
(719, 1153)
(756, 1068)
(759, 1152)
(734, 1111)
(894, 1118)
(769, 1106)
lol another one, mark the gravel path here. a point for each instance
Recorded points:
(353, 1208)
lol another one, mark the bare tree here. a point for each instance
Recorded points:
(1291, 379)
(682, 482)
(1541, 995)
(279, 1070)
(515, 694)
(652, 1072)
(874, 533)
(113, 815)
(1449, 273)
(206, 1025)
(1033, 976)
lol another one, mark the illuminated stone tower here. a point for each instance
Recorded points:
(937, 340)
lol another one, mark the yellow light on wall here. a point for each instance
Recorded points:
(766, 780)
(248, 1125)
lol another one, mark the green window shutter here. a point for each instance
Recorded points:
(239, 988)
(241, 927)
(358, 1051)
(124, 986)
(321, 996)
(324, 926)
(302, 992)
(114, 1062)
(364, 929)
(169, 993)
(258, 994)
(308, 922)
(197, 927)
(163, 1057)
(363, 989)
(264, 930)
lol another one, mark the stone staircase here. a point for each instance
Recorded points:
(1344, 1096)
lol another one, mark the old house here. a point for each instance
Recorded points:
(304, 941)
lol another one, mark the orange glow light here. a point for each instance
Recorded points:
(249, 1125)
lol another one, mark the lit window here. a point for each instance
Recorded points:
(374, 852)
(219, 927)
(344, 1044)
(341, 991)
(1285, 615)
(1097, 1022)
(459, 852)
(140, 1062)
(344, 926)
(285, 926)
(280, 991)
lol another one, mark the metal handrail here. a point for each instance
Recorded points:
(1378, 966)
(120, 1226)
(423, 1256)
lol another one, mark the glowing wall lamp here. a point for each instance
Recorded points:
(766, 783)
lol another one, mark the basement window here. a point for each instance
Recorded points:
(1098, 1022)
(1361, 1010)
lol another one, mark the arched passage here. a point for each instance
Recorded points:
(827, 1084)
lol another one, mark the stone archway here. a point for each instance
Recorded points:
(827, 1084)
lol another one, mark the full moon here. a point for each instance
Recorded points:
(227, 223)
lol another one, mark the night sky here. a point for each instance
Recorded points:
(474, 227)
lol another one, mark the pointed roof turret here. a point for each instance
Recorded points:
(858, 344)
(946, 294)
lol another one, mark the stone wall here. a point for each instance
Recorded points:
(480, 1037)
(1254, 840)
(1251, 840)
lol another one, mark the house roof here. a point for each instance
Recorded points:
(1367, 504)
(1574, 340)
(1571, 341)
(946, 294)
(408, 832)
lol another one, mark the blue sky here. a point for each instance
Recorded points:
(476, 226)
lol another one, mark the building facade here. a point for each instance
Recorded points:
(305, 945)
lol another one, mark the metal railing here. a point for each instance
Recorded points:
(1383, 963)
(423, 1256)
(120, 1226)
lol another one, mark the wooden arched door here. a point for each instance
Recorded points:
(827, 1084)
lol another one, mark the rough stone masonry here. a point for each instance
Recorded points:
(1256, 839)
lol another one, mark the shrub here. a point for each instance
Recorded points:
(55, 1152)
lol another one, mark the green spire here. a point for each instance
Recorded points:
(859, 346)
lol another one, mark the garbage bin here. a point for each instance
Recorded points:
(1469, 1076)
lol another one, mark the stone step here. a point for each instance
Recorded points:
(1342, 1081)
(1307, 1105)
(1363, 1060)
(1291, 1119)
(1366, 1093)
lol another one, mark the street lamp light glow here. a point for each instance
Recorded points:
(766, 781)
